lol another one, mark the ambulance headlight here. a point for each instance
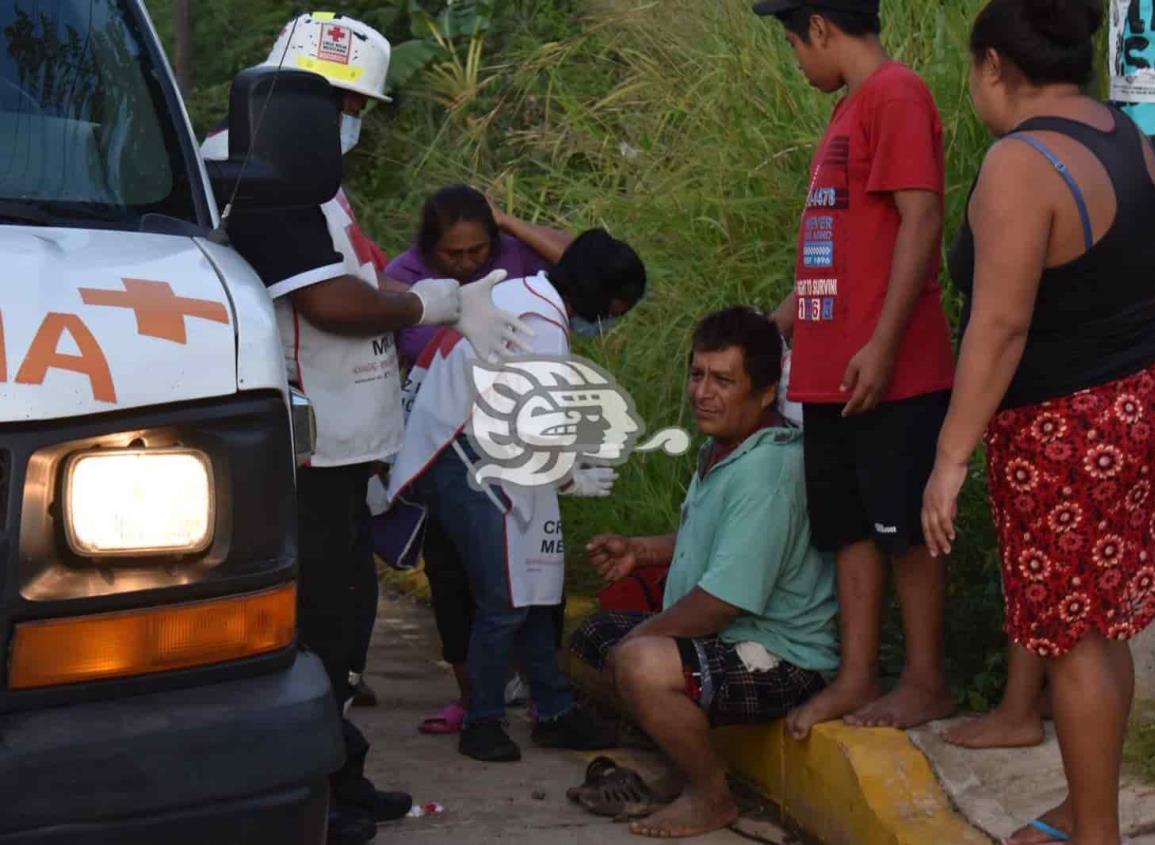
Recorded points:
(138, 502)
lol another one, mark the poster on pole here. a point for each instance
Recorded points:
(1132, 51)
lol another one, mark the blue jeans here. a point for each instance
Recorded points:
(477, 529)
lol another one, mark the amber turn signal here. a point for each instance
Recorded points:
(157, 639)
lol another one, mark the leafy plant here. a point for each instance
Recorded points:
(445, 52)
(1140, 749)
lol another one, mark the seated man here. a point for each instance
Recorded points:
(749, 618)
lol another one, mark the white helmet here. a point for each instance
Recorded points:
(351, 55)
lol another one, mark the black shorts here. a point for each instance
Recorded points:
(865, 474)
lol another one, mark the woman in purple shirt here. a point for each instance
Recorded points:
(462, 236)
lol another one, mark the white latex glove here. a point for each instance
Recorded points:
(493, 332)
(376, 496)
(440, 301)
(792, 411)
(590, 482)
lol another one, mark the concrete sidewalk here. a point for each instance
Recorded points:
(999, 790)
(512, 803)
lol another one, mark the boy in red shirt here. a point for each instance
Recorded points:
(872, 356)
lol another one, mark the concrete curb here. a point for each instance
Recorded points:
(849, 786)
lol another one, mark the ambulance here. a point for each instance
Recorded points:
(151, 687)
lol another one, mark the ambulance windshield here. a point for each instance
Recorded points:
(85, 133)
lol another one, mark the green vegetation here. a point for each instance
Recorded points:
(682, 126)
(1140, 750)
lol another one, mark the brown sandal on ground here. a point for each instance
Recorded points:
(613, 791)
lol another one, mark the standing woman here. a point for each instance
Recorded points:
(1056, 366)
(462, 236)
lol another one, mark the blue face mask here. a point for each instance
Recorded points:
(585, 328)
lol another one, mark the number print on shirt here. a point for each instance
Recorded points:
(831, 188)
(816, 308)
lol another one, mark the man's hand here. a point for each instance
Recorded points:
(613, 556)
(868, 376)
(493, 332)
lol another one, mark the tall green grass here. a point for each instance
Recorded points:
(1140, 750)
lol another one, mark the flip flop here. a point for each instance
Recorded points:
(613, 791)
(447, 720)
(595, 773)
(1057, 836)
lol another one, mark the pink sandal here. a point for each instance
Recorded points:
(447, 720)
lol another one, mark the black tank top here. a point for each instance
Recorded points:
(1094, 318)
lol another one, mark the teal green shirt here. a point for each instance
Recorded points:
(745, 539)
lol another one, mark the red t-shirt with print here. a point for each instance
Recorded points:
(885, 137)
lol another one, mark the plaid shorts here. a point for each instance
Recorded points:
(717, 679)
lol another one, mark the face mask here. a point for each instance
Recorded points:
(350, 132)
(585, 328)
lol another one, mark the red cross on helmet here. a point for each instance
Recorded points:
(351, 55)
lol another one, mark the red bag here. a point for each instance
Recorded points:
(639, 592)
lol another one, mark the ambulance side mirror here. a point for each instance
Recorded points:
(284, 141)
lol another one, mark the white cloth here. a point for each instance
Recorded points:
(438, 396)
(792, 411)
(354, 383)
(376, 497)
(756, 657)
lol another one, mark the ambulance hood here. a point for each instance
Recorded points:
(96, 321)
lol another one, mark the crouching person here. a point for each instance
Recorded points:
(748, 625)
(500, 532)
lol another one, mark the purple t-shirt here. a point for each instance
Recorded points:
(514, 257)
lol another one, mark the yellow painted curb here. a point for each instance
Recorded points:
(849, 786)
(409, 582)
(843, 785)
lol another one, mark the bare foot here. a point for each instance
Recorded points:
(907, 706)
(1060, 818)
(997, 729)
(666, 788)
(835, 701)
(690, 815)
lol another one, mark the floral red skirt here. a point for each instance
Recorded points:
(1071, 496)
